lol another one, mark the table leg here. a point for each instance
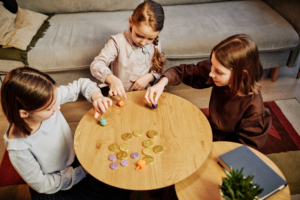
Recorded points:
(140, 196)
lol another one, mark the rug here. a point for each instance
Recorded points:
(283, 137)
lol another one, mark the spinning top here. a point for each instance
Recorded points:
(141, 164)
(120, 103)
(154, 106)
(103, 121)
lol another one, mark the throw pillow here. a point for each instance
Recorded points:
(25, 27)
(7, 20)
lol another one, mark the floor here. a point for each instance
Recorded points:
(286, 87)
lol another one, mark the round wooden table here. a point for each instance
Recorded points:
(204, 183)
(184, 133)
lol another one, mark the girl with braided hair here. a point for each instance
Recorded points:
(134, 55)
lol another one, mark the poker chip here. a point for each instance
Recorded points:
(124, 162)
(134, 155)
(113, 165)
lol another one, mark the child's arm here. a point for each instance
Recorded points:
(99, 68)
(195, 76)
(49, 183)
(254, 127)
(142, 82)
(89, 90)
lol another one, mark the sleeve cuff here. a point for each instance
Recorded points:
(157, 78)
(79, 174)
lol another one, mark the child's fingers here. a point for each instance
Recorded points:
(96, 114)
(124, 93)
(157, 97)
(151, 94)
(102, 108)
(110, 101)
(111, 92)
(105, 105)
(146, 96)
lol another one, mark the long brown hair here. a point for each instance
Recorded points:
(28, 89)
(239, 53)
(153, 14)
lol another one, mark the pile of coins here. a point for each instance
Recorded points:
(147, 151)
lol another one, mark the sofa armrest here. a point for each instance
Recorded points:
(289, 9)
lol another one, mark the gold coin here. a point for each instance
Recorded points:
(157, 149)
(137, 132)
(148, 159)
(114, 147)
(147, 143)
(152, 134)
(126, 136)
(124, 147)
(147, 151)
(122, 155)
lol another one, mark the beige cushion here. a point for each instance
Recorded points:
(7, 20)
(25, 27)
(76, 6)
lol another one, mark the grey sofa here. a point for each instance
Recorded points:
(80, 29)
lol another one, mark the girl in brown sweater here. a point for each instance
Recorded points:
(236, 110)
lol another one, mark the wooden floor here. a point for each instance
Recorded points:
(286, 87)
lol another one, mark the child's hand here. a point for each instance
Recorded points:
(142, 82)
(116, 86)
(156, 89)
(100, 103)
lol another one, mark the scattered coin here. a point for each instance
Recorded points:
(147, 143)
(113, 165)
(112, 157)
(124, 162)
(134, 155)
(148, 159)
(152, 134)
(157, 149)
(147, 151)
(124, 147)
(114, 147)
(121, 155)
(137, 132)
(126, 136)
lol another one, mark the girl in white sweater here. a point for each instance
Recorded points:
(39, 140)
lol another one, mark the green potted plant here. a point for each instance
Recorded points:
(236, 187)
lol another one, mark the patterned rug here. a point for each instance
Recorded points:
(283, 137)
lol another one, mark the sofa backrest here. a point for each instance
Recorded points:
(75, 6)
(178, 2)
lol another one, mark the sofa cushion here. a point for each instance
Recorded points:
(75, 6)
(7, 20)
(191, 31)
(73, 40)
(25, 27)
(180, 2)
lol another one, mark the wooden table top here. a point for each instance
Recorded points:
(204, 183)
(184, 133)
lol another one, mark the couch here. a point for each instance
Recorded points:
(79, 30)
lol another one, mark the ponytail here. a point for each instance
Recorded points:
(158, 60)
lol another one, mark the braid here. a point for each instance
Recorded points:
(155, 41)
(158, 60)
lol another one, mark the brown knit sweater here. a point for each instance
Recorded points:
(242, 119)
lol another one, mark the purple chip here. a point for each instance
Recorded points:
(112, 157)
(113, 165)
(154, 106)
(124, 162)
(134, 155)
